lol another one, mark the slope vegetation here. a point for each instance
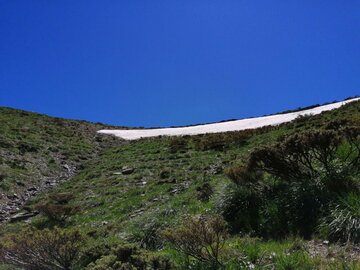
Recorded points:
(212, 201)
(37, 152)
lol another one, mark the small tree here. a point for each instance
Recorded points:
(201, 237)
(43, 250)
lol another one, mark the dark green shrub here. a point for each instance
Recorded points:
(2, 177)
(300, 208)
(94, 251)
(299, 157)
(200, 237)
(61, 198)
(241, 175)
(239, 138)
(5, 144)
(46, 249)
(204, 192)
(240, 207)
(24, 148)
(214, 141)
(55, 213)
(165, 173)
(148, 234)
(56, 207)
(295, 181)
(178, 144)
(343, 222)
(129, 257)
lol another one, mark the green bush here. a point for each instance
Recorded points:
(61, 198)
(200, 237)
(95, 250)
(148, 234)
(45, 249)
(240, 207)
(178, 144)
(55, 213)
(204, 192)
(165, 173)
(343, 222)
(241, 175)
(216, 141)
(57, 208)
(287, 188)
(129, 257)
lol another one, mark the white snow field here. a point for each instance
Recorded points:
(235, 125)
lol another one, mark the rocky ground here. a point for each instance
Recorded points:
(11, 207)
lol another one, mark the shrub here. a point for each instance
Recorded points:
(240, 207)
(178, 144)
(148, 234)
(204, 192)
(311, 154)
(298, 156)
(56, 207)
(95, 251)
(296, 180)
(200, 237)
(55, 213)
(239, 137)
(61, 198)
(165, 173)
(241, 175)
(46, 249)
(214, 141)
(343, 222)
(24, 148)
(221, 141)
(129, 257)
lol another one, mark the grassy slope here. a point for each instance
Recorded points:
(34, 147)
(105, 196)
(126, 206)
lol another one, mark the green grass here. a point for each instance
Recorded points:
(129, 207)
(34, 146)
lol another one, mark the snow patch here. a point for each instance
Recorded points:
(236, 125)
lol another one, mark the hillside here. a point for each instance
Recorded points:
(37, 151)
(129, 200)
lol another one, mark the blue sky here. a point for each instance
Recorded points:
(169, 62)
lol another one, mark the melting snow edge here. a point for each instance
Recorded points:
(235, 125)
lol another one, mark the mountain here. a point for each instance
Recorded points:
(274, 196)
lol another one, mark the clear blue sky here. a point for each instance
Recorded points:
(171, 62)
